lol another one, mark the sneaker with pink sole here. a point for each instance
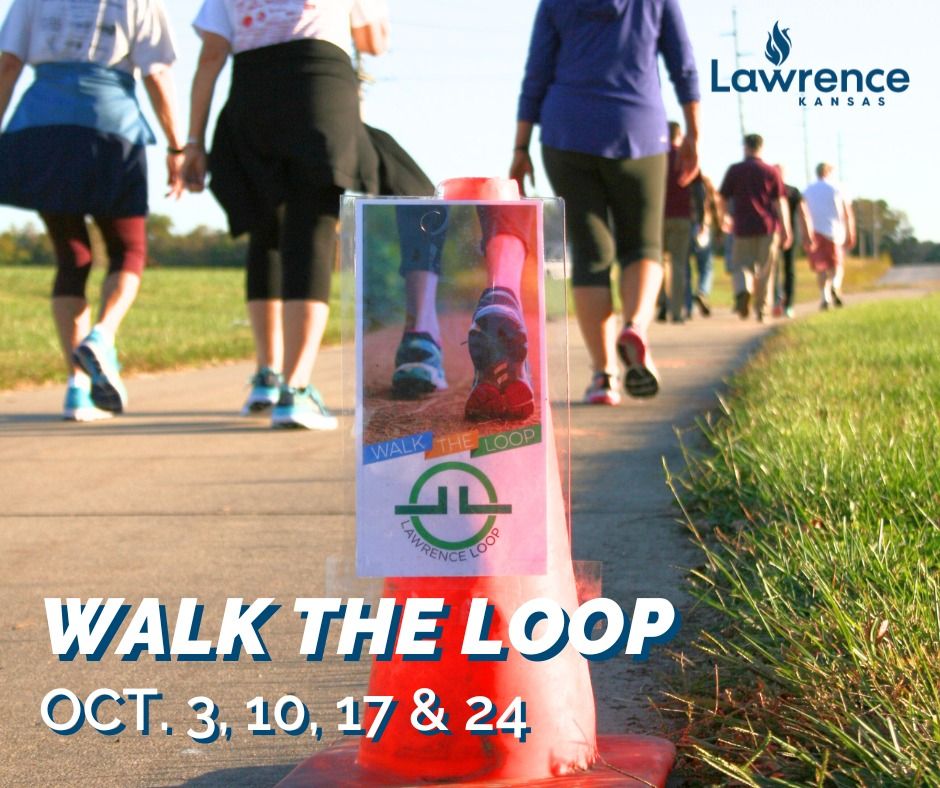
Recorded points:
(641, 378)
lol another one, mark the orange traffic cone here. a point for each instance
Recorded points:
(561, 745)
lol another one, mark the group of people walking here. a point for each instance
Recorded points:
(289, 141)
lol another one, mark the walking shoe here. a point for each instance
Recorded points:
(778, 310)
(419, 366)
(79, 406)
(302, 408)
(641, 379)
(498, 344)
(742, 303)
(837, 299)
(663, 313)
(703, 305)
(824, 305)
(788, 312)
(603, 390)
(98, 357)
(265, 391)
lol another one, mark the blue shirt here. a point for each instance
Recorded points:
(592, 75)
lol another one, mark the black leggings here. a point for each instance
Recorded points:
(613, 210)
(292, 251)
(125, 240)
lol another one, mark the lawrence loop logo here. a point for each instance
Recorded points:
(448, 533)
(847, 87)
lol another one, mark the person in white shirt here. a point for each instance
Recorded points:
(75, 147)
(287, 144)
(834, 231)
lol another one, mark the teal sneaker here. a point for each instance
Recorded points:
(265, 391)
(98, 357)
(80, 407)
(302, 408)
(419, 366)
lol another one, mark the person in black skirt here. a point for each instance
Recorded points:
(74, 147)
(287, 144)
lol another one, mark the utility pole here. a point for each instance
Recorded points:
(737, 65)
(806, 164)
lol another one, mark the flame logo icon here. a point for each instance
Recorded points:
(778, 45)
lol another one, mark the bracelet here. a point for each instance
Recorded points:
(521, 149)
(175, 151)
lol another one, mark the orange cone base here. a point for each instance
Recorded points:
(623, 761)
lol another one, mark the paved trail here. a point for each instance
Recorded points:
(183, 498)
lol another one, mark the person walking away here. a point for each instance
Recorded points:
(677, 232)
(592, 84)
(784, 290)
(75, 147)
(705, 224)
(834, 223)
(758, 202)
(287, 144)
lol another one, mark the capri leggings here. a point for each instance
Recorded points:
(422, 231)
(613, 210)
(125, 240)
(291, 252)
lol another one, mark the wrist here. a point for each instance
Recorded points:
(195, 142)
(521, 149)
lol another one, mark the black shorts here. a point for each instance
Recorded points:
(613, 210)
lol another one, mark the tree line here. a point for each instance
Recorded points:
(881, 230)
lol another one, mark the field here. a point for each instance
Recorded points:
(816, 504)
(191, 317)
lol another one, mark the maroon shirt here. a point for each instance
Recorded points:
(678, 198)
(755, 187)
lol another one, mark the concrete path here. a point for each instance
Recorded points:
(183, 498)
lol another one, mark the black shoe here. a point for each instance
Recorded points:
(836, 299)
(742, 302)
(703, 305)
(662, 315)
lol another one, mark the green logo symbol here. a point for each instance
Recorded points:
(418, 510)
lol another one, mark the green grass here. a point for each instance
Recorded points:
(183, 317)
(816, 504)
(187, 317)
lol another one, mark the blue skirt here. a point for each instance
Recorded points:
(73, 169)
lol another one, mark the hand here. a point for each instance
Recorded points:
(850, 241)
(195, 164)
(809, 245)
(787, 239)
(520, 168)
(174, 181)
(688, 161)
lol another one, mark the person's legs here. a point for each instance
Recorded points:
(125, 239)
(70, 311)
(69, 236)
(576, 178)
(308, 252)
(635, 190)
(265, 312)
(764, 275)
(744, 252)
(676, 236)
(419, 362)
(789, 281)
(498, 338)
(703, 262)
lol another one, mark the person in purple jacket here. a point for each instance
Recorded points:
(592, 84)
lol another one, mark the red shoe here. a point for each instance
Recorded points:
(498, 344)
(641, 379)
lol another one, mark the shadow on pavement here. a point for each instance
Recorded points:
(246, 777)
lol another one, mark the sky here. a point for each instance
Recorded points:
(448, 87)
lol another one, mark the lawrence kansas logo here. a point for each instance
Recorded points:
(849, 87)
(445, 531)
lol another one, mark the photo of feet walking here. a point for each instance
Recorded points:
(454, 344)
